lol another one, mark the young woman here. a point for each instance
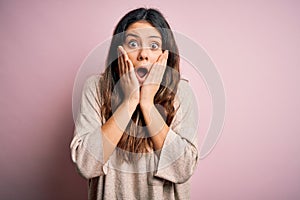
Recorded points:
(135, 135)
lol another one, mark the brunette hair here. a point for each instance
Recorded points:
(133, 141)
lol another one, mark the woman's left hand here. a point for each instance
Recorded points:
(153, 81)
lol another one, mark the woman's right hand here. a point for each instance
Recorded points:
(128, 80)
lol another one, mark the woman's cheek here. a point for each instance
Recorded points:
(131, 56)
(155, 59)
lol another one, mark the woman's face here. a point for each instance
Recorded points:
(143, 44)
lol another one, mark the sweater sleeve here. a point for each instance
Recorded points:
(86, 145)
(179, 155)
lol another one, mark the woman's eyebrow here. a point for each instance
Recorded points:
(136, 36)
(133, 35)
(154, 36)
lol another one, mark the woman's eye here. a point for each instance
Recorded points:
(132, 44)
(154, 45)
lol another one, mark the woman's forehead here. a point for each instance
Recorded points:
(142, 29)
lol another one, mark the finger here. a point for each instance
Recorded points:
(164, 60)
(160, 57)
(126, 59)
(167, 57)
(130, 65)
(124, 53)
(154, 74)
(166, 53)
(159, 70)
(130, 69)
(120, 62)
(160, 65)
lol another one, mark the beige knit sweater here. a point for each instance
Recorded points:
(156, 175)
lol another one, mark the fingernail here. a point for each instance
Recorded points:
(167, 52)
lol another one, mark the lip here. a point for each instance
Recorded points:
(141, 73)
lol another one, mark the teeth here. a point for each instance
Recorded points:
(141, 72)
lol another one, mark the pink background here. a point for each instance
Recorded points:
(255, 47)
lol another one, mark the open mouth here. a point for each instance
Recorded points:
(142, 72)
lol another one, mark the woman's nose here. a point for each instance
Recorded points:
(143, 54)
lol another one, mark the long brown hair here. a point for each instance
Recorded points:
(134, 140)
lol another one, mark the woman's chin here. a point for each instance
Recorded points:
(141, 79)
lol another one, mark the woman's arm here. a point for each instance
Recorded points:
(115, 126)
(178, 155)
(93, 143)
(176, 145)
(156, 125)
(113, 129)
(86, 146)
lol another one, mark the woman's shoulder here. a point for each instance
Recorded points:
(184, 87)
(92, 82)
(185, 95)
(92, 79)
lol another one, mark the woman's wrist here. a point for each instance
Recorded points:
(123, 113)
(130, 105)
(146, 106)
(156, 125)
